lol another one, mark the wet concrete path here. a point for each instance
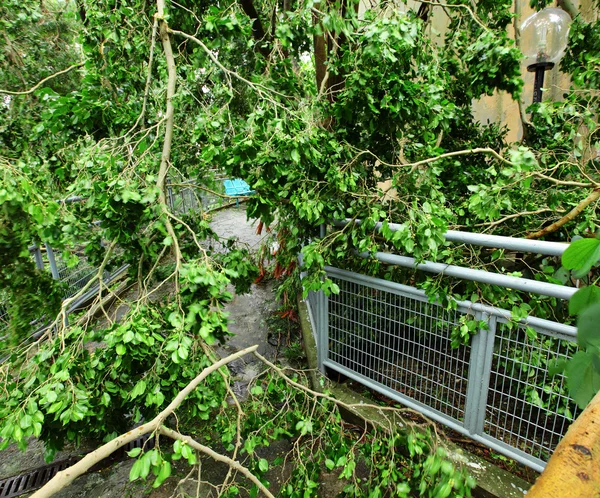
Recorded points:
(248, 321)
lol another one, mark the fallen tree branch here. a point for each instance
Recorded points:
(169, 127)
(67, 476)
(261, 89)
(40, 83)
(216, 456)
(595, 195)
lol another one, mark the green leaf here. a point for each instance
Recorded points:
(263, 465)
(330, 464)
(134, 452)
(139, 389)
(583, 379)
(557, 366)
(134, 473)
(26, 421)
(120, 349)
(164, 473)
(295, 155)
(588, 327)
(584, 298)
(581, 255)
(145, 465)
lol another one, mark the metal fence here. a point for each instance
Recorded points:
(73, 277)
(496, 389)
(188, 196)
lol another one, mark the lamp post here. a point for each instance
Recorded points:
(545, 34)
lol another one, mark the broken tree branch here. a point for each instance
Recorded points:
(216, 456)
(594, 196)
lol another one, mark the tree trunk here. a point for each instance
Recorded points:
(574, 469)
(324, 45)
(258, 31)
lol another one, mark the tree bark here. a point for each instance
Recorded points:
(328, 84)
(574, 469)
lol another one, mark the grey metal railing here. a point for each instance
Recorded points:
(187, 198)
(496, 389)
(73, 277)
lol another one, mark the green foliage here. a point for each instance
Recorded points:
(583, 369)
(394, 106)
(402, 464)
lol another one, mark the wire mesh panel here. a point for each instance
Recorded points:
(496, 390)
(75, 277)
(400, 342)
(526, 407)
(188, 199)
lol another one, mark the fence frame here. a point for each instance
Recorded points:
(480, 359)
(482, 343)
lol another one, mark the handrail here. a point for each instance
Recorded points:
(482, 276)
(484, 240)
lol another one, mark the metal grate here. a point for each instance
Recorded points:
(4, 318)
(526, 408)
(76, 277)
(35, 479)
(32, 480)
(400, 342)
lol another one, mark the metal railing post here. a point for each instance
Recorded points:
(170, 196)
(52, 261)
(482, 348)
(37, 256)
(322, 329)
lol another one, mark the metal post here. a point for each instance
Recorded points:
(37, 256)
(52, 261)
(539, 68)
(482, 349)
(322, 329)
(170, 194)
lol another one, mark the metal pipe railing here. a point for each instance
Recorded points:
(484, 240)
(482, 276)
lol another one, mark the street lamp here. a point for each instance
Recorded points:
(545, 35)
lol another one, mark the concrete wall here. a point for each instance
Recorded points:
(501, 107)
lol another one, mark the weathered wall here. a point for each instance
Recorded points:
(501, 107)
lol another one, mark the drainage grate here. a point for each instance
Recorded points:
(34, 479)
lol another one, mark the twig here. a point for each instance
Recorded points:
(460, 6)
(511, 216)
(148, 76)
(35, 87)
(215, 456)
(257, 86)
(568, 183)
